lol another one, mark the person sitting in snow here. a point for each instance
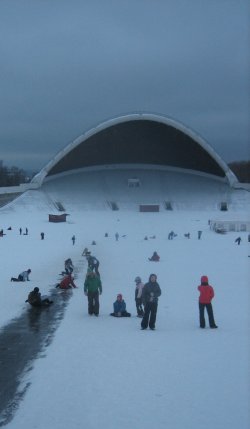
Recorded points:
(36, 300)
(138, 296)
(120, 307)
(155, 257)
(67, 282)
(23, 277)
(206, 296)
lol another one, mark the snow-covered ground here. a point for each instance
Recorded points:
(106, 372)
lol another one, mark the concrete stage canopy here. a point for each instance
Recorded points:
(140, 139)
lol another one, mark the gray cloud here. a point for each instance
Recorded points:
(66, 66)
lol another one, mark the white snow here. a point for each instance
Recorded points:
(107, 373)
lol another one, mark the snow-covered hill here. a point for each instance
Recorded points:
(104, 372)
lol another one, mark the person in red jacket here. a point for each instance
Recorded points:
(67, 282)
(206, 296)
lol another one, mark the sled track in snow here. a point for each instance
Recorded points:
(21, 342)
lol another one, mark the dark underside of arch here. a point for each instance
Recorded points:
(139, 142)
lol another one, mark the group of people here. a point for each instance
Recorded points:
(146, 300)
(146, 295)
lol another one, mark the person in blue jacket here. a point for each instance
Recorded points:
(120, 307)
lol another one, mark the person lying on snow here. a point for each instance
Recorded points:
(36, 300)
(120, 307)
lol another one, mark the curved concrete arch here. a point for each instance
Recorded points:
(139, 138)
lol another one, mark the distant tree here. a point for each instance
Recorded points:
(12, 176)
(241, 169)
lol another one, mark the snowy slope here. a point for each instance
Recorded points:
(108, 373)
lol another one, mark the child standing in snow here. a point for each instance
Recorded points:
(138, 296)
(206, 296)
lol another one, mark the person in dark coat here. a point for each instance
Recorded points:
(93, 264)
(92, 289)
(155, 257)
(150, 294)
(206, 296)
(120, 307)
(36, 300)
(238, 240)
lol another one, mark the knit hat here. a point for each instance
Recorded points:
(204, 279)
(119, 295)
(36, 289)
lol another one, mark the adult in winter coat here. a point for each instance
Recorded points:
(67, 282)
(36, 300)
(92, 289)
(206, 296)
(150, 294)
(138, 296)
(120, 307)
(23, 277)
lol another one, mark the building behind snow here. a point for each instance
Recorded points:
(135, 160)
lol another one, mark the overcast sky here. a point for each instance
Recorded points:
(67, 66)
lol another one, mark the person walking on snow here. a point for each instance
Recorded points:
(92, 289)
(150, 295)
(138, 296)
(73, 239)
(206, 296)
(238, 240)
